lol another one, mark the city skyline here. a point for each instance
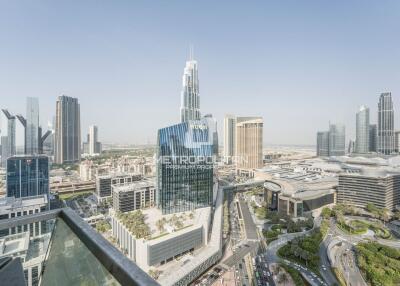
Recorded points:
(247, 72)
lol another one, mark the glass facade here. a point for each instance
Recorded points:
(27, 176)
(185, 166)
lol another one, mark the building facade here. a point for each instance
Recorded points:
(133, 196)
(7, 136)
(27, 176)
(323, 144)
(32, 126)
(372, 138)
(190, 98)
(105, 183)
(229, 138)
(386, 140)
(362, 130)
(185, 166)
(249, 142)
(93, 142)
(337, 140)
(380, 189)
(67, 130)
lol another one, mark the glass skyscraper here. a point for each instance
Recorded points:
(362, 130)
(67, 130)
(185, 167)
(190, 99)
(7, 136)
(32, 125)
(27, 176)
(386, 138)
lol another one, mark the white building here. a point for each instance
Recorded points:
(229, 138)
(163, 246)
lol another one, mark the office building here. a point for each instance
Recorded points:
(337, 140)
(27, 176)
(7, 136)
(397, 141)
(133, 196)
(105, 183)
(332, 142)
(372, 138)
(386, 140)
(93, 142)
(229, 138)
(323, 144)
(249, 143)
(362, 130)
(190, 99)
(185, 166)
(67, 130)
(370, 186)
(20, 135)
(32, 126)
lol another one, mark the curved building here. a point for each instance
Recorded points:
(185, 165)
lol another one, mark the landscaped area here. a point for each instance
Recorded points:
(280, 224)
(135, 222)
(304, 250)
(380, 264)
(361, 227)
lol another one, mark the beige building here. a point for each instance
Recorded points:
(249, 143)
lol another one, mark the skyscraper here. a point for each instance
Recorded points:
(20, 135)
(372, 137)
(94, 144)
(32, 126)
(249, 142)
(332, 142)
(185, 166)
(337, 140)
(323, 144)
(229, 137)
(362, 130)
(68, 130)
(27, 176)
(7, 136)
(190, 99)
(386, 140)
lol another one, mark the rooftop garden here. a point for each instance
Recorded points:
(135, 222)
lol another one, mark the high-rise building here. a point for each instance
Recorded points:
(94, 144)
(7, 136)
(185, 166)
(372, 138)
(190, 99)
(249, 142)
(332, 142)
(323, 144)
(397, 141)
(362, 130)
(337, 140)
(20, 135)
(386, 138)
(229, 138)
(67, 130)
(32, 126)
(27, 176)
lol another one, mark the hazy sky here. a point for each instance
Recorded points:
(298, 64)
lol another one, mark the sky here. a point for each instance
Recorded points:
(298, 64)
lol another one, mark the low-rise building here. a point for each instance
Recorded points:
(133, 196)
(163, 244)
(104, 183)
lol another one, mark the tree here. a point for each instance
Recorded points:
(160, 225)
(326, 213)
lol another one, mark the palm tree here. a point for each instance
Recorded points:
(283, 278)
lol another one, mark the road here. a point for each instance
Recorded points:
(325, 265)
